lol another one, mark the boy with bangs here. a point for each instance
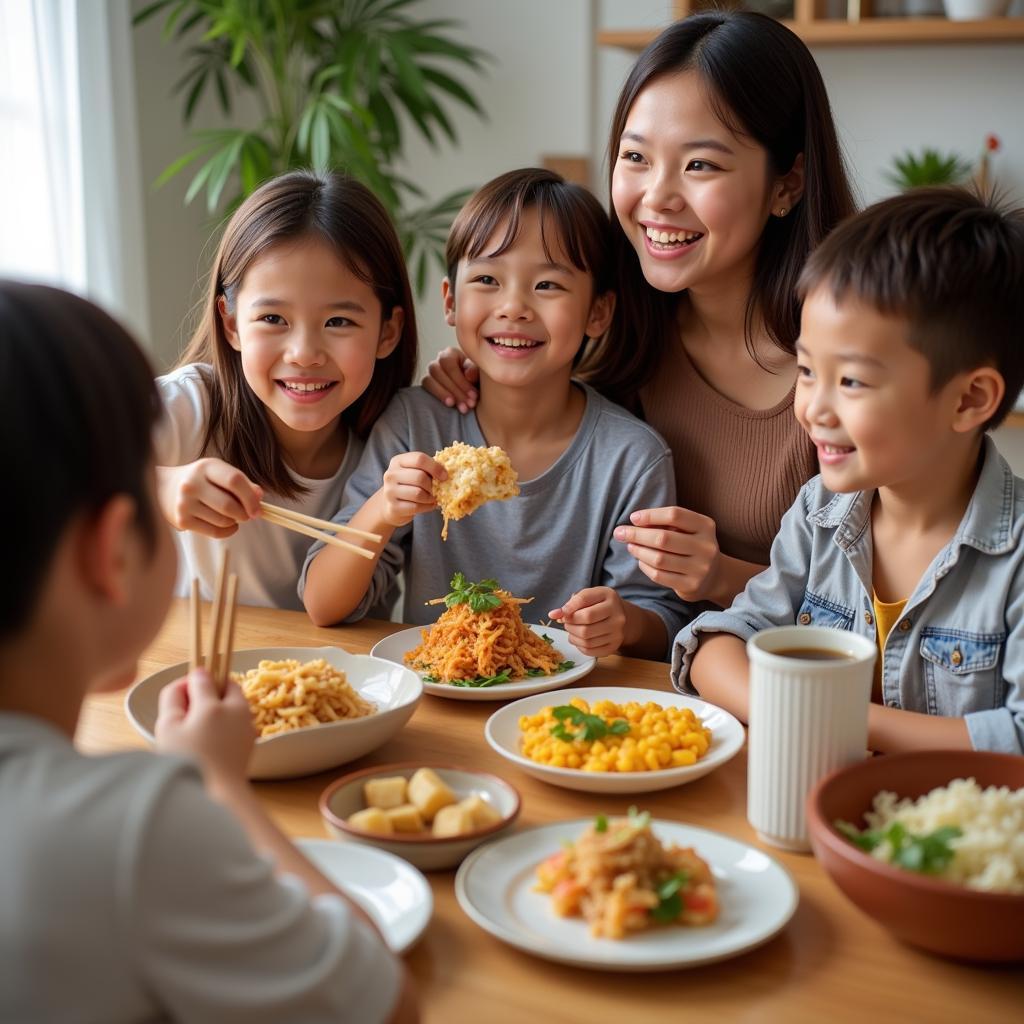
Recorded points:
(909, 353)
(529, 281)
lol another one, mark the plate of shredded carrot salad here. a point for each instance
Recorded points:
(626, 893)
(480, 648)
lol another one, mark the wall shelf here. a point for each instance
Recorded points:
(816, 30)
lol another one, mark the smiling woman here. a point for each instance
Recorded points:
(307, 332)
(725, 172)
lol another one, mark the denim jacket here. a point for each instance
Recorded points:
(958, 647)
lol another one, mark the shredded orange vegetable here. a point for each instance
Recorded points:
(464, 644)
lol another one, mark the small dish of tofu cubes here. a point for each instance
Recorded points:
(431, 815)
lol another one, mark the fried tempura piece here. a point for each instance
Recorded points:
(475, 476)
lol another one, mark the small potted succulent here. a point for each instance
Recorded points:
(931, 167)
(928, 167)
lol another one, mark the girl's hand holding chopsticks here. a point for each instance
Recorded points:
(208, 496)
(212, 497)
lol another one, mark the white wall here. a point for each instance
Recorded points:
(550, 92)
(537, 99)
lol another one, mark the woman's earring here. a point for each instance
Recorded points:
(783, 211)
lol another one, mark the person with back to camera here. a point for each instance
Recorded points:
(725, 172)
(910, 352)
(128, 891)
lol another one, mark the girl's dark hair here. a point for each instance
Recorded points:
(949, 262)
(345, 215)
(578, 223)
(762, 83)
(78, 410)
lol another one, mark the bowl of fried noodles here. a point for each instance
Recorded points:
(314, 708)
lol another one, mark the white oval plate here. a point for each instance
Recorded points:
(395, 692)
(394, 648)
(503, 734)
(389, 889)
(494, 887)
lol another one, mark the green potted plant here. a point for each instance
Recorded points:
(334, 81)
(928, 167)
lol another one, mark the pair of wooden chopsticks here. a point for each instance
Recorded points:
(225, 602)
(324, 531)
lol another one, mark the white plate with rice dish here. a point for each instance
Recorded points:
(495, 887)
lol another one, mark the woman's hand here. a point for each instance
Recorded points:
(451, 378)
(208, 496)
(408, 488)
(195, 720)
(676, 548)
(595, 620)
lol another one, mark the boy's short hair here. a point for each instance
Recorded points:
(76, 416)
(949, 262)
(571, 218)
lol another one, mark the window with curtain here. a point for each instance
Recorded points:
(70, 193)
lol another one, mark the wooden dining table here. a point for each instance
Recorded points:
(831, 963)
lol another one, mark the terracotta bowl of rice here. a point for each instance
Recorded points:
(945, 871)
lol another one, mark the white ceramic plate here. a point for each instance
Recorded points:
(388, 888)
(503, 734)
(395, 692)
(395, 647)
(494, 886)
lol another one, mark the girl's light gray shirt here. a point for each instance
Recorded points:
(958, 647)
(551, 541)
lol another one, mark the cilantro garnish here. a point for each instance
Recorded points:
(928, 854)
(482, 681)
(480, 597)
(601, 823)
(670, 903)
(591, 727)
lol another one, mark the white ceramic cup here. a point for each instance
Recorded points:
(807, 718)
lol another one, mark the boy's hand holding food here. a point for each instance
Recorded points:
(408, 488)
(595, 620)
(208, 496)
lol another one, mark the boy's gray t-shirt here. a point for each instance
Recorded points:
(551, 541)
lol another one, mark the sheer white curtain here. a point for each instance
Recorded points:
(70, 191)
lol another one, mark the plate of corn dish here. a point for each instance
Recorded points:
(626, 893)
(480, 648)
(614, 739)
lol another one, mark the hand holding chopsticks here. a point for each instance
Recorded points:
(319, 529)
(223, 626)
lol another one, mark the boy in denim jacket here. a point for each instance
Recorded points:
(910, 351)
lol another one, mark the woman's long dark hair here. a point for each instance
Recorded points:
(764, 84)
(345, 215)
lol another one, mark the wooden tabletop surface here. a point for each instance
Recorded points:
(831, 963)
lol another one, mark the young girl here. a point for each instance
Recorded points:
(528, 282)
(307, 333)
(129, 894)
(725, 172)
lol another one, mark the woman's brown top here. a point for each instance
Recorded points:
(742, 467)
